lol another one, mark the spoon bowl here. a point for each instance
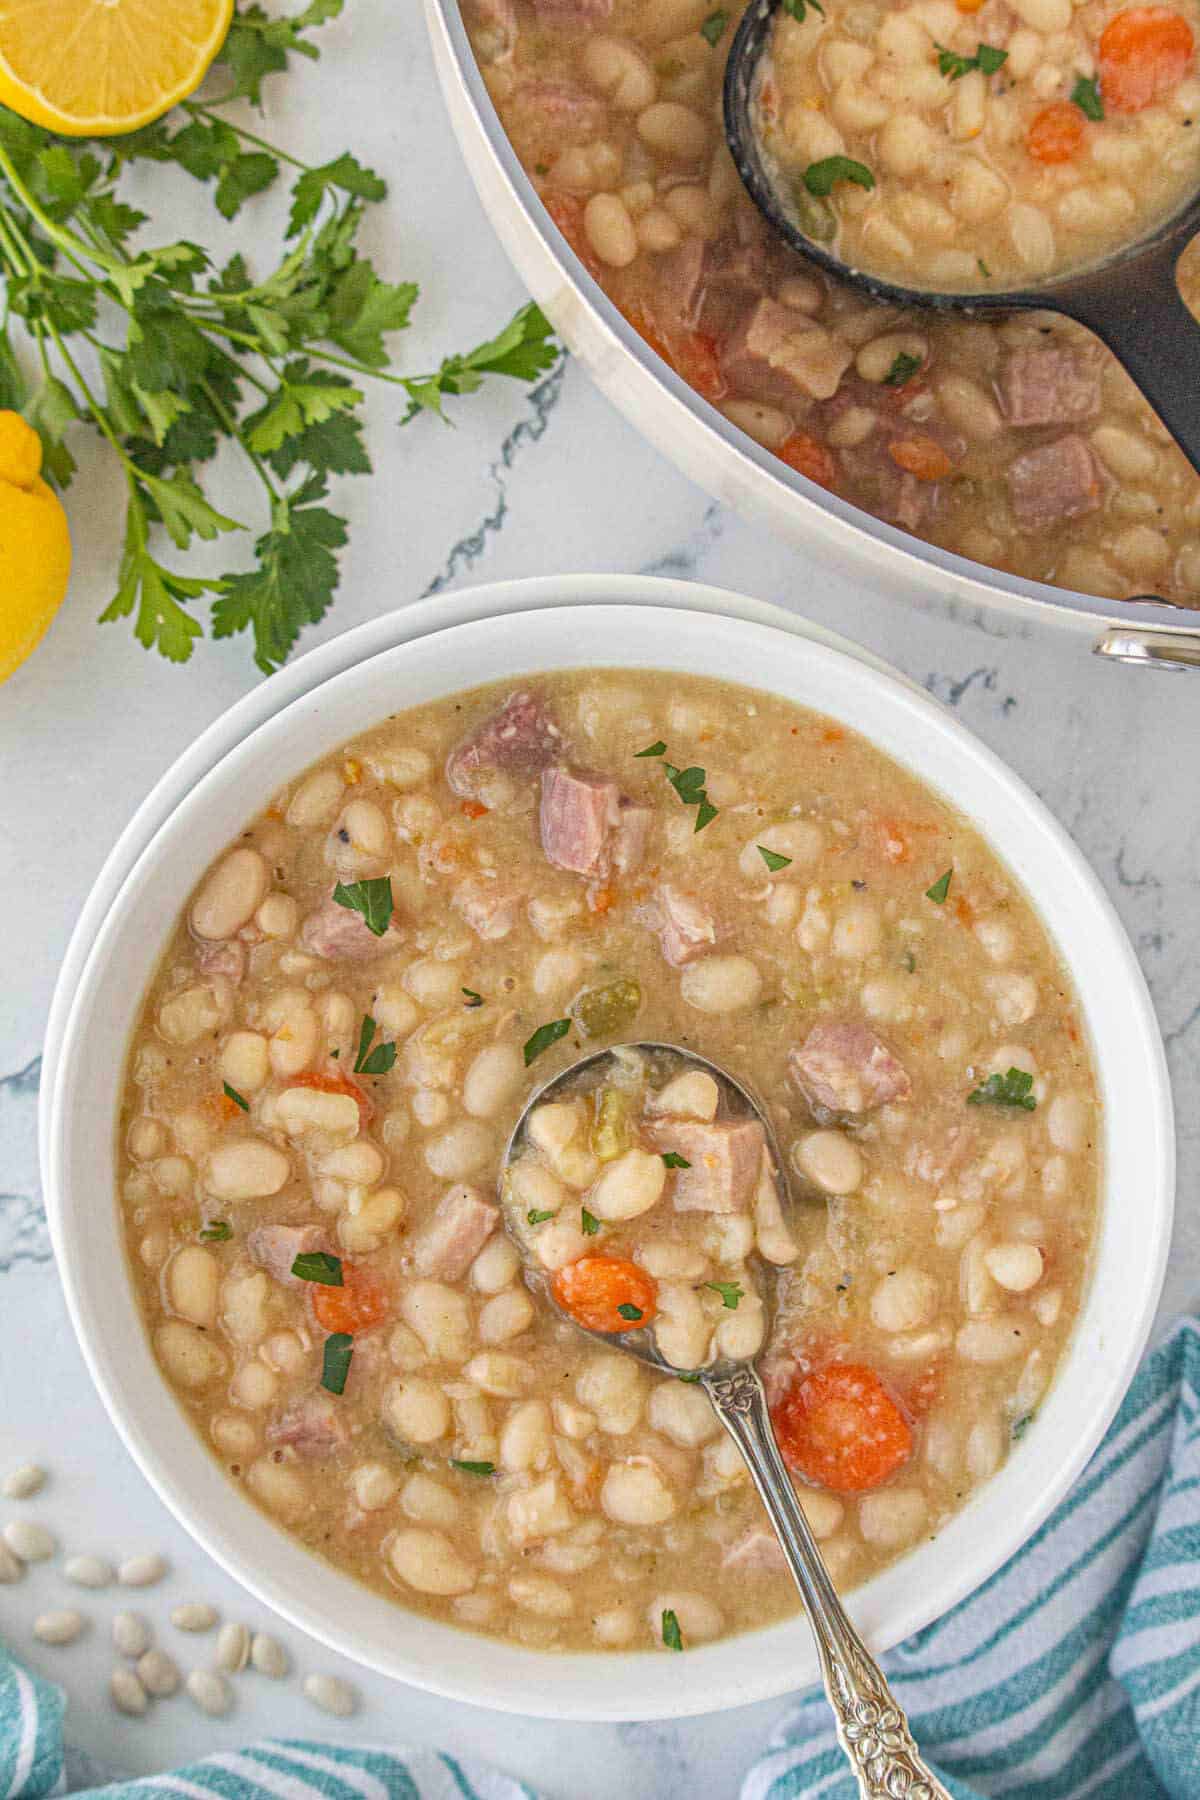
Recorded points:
(871, 1726)
(1130, 300)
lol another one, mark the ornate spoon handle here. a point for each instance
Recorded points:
(871, 1726)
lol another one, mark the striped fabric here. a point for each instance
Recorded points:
(1073, 1674)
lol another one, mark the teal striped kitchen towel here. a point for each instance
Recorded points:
(1073, 1674)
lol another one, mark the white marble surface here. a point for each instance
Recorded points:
(528, 483)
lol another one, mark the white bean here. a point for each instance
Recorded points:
(491, 1080)
(892, 1517)
(417, 1409)
(681, 1329)
(89, 1572)
(269, 1657)
(857, 931)
(620, 72)
(131, 1634)
(29, 1541)
(61, 1627)
(692, 1095)
(283, 1490)
(830, 1160)
(429, 1562)
(628, 1186)
(506, 1315)
(231, 895)
(128, 1694)
(211, 1692)
(635, 1492)
(331, 1694)
(142, 1571)
(721, 984)
(24, 1482)
(525, 1439)
(610, 230)
(245, 1063)
(316, 800)
(158, 1674)
(233, 1647)
(905, 1299)
(673, 130)
(428, 1502)
(252, 1169)
(194, 1615)
(460, 1152)
(683, 1413)
(190, 1359)
(612, 1387)
(1015, 1267)
(496, 1265)
(699, 1618)
(990, 1340)
(193, 1278)
(441, 1319)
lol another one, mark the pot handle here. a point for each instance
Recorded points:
(1135, 308)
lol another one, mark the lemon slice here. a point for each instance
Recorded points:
(93, 68)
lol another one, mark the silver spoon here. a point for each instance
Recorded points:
(871, 1725)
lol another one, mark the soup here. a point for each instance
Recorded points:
(920, 152)
(1019, 442)
(431, 922)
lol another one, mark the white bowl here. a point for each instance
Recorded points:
(93, 1023)
(730, 465)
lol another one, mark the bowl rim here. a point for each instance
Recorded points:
(508, 1681)
(909, 555)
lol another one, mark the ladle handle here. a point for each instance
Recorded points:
(871, 1726)
(1135, 308)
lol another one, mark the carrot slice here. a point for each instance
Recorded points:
(698, 360)
(922, 457)
(808, 457)
(567, 212)
(361, 1302)
(472, 809)
(1056, 134)
(1144, 53)
(839, 1427)
(594, 1289)
(337, 1083)
(646, 327)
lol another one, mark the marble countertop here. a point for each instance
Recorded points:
(89, 724)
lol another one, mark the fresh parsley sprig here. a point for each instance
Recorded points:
(202, 356)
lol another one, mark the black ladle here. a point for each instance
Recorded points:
(1130, 300)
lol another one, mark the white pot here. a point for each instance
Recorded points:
(723, 459)
(420, 655)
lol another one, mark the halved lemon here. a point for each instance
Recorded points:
(95, 68)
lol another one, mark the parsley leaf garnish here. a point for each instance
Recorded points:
(472, 998)
(819, 177)
(538, 1215)
(689, 785)
(215, 1231)
(372, 1062)
(672, 1637)
(798, 9)
(472, 1468)
(231, 1093)
(543, 1037)
(713, 28)
(673, 1160)
(1086, 96)
(987, 58)
(729, 1291)
(902, 370)
(983, 268)
(656, 749)
(372, 900)
(1014, 1088)
(589, 1224)
(318, 1266)
(191, 358)
(941, 887)
(773, 860)
(628, 1311)
(335, 1361)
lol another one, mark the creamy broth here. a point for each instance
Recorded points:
(319, 1091)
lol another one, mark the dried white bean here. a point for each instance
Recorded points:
(194, 1615)
(211, 1692)
(142, 1571)
(158, 1674)
(128, 1694)
(269, 1657)
(24, 1482)
(30, 1541)
(58, 1627)
(11, 1567)
(131, 1634)
(331, 1694)
(233, 1647)
(89, 1571)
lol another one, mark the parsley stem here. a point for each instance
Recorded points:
(97, 411)
(204, 111)
(327, 356)
(231, 425)
(72, 247)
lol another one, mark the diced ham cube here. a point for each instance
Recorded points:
(583, 13)
(1056, 481)
(1050, 386)
(341, 935)
(578, 814)
(553, 113)
(276, 1247)
(312, 1426)
(521, 739)
(757, 1550)
(682, 279)
(842, 1067)
(687, 927)
(453, 1238)
(490, 911)
(226, 958)
(779, 355)
(723, 1158)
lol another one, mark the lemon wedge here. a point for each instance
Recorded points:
(95, 68)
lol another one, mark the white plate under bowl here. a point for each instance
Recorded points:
(193, 818)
